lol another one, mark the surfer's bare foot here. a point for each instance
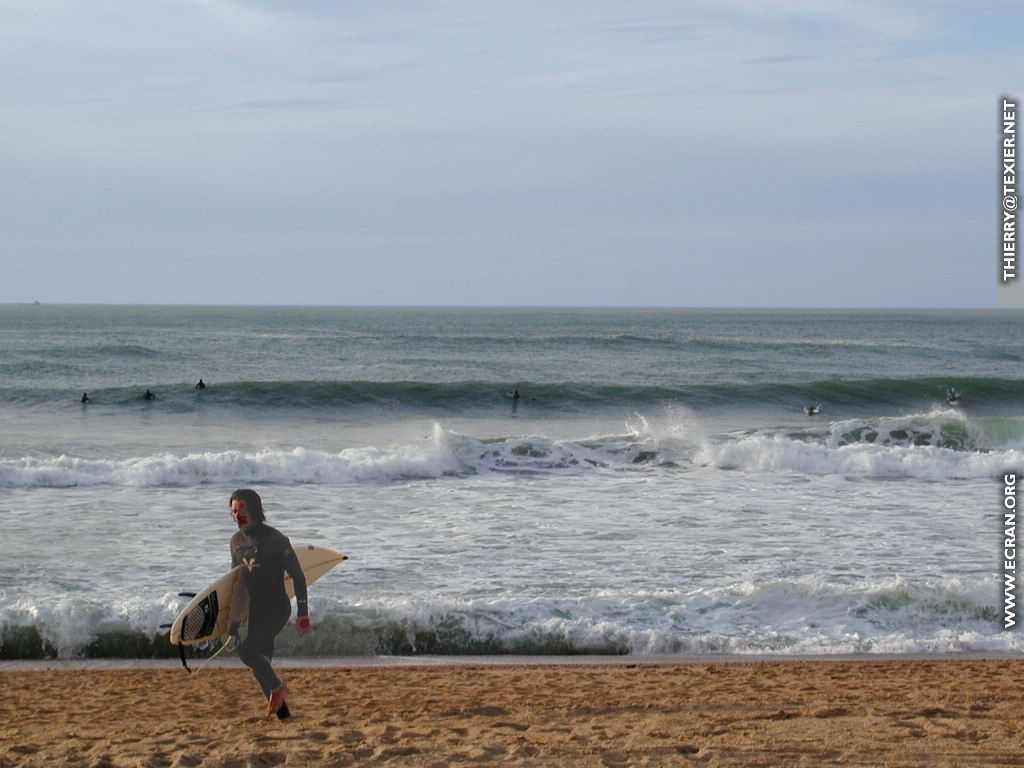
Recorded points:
(277, 700)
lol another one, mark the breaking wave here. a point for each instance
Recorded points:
(932, 446)
(798, 616)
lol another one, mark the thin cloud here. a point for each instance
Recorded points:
(286, 104)
(359, 74)
(780, 58)
(654, 32)
(870, 17)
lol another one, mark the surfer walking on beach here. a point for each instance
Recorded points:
(267, 555)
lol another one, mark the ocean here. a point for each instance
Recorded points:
(655, 489)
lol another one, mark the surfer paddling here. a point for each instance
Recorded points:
(267, 555)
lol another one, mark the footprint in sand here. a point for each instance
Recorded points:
(935, 712)
(830, 712)
(514, 726)
(397, 751)
(913, 728)
(613, 758)
(486, 754)
(307, 757)
(488, 712)
(266, 759)
(350, 737)
(25, 749)
(358, 754)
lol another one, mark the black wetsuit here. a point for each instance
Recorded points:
(266, 554)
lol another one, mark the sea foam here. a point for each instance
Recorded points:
(899, 447)
(807, 615)
(780, 454)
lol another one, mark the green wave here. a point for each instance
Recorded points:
(565, 396)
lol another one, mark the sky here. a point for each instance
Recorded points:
(801, 153)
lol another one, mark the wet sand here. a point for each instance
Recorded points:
(894, 712)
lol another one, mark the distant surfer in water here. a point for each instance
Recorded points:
(149, 396)
(811, 410)
(952, 396)
(85, 398)
(201, 385)
(267, 555)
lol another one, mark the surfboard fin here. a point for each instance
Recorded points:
(166, 626)
(184, 661)
(186, 594)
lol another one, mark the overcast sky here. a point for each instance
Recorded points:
(739, 153)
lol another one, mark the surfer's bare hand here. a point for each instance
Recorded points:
(303, 626)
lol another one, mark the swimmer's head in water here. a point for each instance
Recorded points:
(246, 507)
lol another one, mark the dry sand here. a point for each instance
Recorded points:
(790, 713)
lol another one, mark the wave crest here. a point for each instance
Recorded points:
(568, 397)
(443, 453)
(808, 615)
(900, 447)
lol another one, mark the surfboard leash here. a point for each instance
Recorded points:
(224, 646)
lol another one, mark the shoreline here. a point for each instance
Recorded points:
(331, 662)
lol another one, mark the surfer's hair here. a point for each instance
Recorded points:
(253, 503)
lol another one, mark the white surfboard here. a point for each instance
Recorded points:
(216, 608)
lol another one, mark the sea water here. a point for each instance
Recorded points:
(656, 488)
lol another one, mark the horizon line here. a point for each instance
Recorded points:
(512, 306)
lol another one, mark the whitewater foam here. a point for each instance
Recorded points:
(444, 452)
(934, 446)
(781, 454)
(798, 616)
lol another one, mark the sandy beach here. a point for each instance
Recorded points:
(777, 713)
